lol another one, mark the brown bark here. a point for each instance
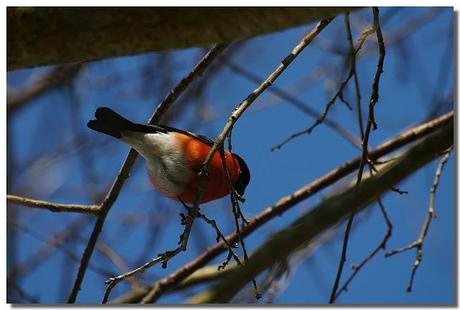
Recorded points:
(42, 36)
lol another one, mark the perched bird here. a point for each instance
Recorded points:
(174, 158)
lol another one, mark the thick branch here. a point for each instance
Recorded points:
(330, 212)
(42, 36)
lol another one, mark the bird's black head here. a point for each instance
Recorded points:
(243, 178)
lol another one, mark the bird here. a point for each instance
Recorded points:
(174, 158)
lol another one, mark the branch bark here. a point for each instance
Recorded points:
(42, 36)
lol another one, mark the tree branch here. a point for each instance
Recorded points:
(41, 36)
(328, 213)
(54, 207)
(418, 244)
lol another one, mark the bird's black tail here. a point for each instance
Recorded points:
(110, 122)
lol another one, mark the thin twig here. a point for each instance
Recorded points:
(399, 191)
(279, 92)
(116, 260)
(364, 159)
(418, 244)
(237, 214)
(353, 56)
(286, 203)
(219, 234)
(338, 94)
(344, 83)
(381, 246)
(162, 258)
(123, 174)
(54, 207)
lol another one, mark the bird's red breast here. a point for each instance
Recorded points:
(216, 185)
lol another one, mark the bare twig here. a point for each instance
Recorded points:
(381, 246)
(418, 244)
(338, 94)
(286, 203)
(364, 159)
(54, 207)
(163, 258)
(237, 214)
(296, 103)
(399, 191)
(123, 174)
(344, 83)
(116, 260)
(353, 55)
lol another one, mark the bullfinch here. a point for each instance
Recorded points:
(174, 158)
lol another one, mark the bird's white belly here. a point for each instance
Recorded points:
(165, 162)
(170, 175)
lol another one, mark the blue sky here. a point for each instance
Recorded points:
(416, 77)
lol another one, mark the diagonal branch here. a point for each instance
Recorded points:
(331, 211)
(306, 40)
